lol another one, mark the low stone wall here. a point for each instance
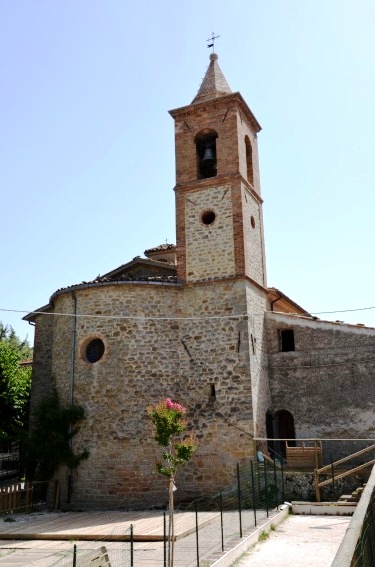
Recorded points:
(301, 486)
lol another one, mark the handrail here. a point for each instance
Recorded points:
(318, 484)
(352, 456)
(275, 453)
(346, 551)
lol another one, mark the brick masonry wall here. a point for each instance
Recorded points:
(328, 382)
(229, 118)
(144, 361)
(244, 128)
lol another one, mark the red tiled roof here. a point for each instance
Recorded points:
(160, 248)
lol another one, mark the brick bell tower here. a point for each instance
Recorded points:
(219, 222)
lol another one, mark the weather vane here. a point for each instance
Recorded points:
(211, 41)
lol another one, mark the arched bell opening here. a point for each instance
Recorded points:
(249, 160)
(284, 425)
(205, 142)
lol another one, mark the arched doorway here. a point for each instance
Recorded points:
(270, 432)
(285, 430)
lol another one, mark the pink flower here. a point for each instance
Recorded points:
(174, 406)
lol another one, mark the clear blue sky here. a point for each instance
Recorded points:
(87, 148)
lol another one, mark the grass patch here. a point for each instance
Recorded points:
(263, 535)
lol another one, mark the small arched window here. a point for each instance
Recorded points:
(205, 142)
(249, 160)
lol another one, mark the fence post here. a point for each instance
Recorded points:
(275, 481)
(221, 521)
(56, 497)
(266, 485)
(74, 555)
(27, 495)
(165, 538)
(254, 493)
(131, 546)
(239, 497)
(196, 531)
(282, 480)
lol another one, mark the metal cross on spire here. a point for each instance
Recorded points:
(211, 41)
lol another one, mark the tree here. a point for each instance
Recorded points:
(15, 383)
(8, 336)
(169, 422)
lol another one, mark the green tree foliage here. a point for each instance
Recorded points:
(48, 444)
(15, 383)
(8, 336)
(169, 423)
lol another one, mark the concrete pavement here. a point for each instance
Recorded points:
(300, 541)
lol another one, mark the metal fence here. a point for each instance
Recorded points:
(204, 529)
(92, 553)
(213, 524)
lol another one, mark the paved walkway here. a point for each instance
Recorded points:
(300, 541)
(46, 539)
(308, 541)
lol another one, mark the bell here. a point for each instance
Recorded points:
(208, 158)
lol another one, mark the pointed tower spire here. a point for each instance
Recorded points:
(214, 83)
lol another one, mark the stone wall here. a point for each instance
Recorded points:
(327, 383)
(209, 247)
(42, 377)
(198, 362)
(300, 486)
(253, 237)
(256, 306)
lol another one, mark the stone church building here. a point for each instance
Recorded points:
(196, 322)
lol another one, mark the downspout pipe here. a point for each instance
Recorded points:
(71, 393)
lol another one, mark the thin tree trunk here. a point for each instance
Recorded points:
(169, 525)
(171, 489)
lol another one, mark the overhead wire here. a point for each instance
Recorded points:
(143, 317)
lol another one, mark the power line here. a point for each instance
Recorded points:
(239, 316)
(131, 317)
(312, 439)
(342, 311)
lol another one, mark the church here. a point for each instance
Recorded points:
(196, 322)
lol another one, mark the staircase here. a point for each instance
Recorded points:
(354, 497)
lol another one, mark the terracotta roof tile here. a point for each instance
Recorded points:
(160, 248)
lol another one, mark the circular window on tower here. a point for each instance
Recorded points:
(92, 350)
(208, 217)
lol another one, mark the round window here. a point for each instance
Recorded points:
(94, 350)
(208, 217)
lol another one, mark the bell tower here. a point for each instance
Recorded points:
(218, 200)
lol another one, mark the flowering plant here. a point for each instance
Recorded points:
(169, 422)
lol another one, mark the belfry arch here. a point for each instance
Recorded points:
(205, 142)
(249, 160)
